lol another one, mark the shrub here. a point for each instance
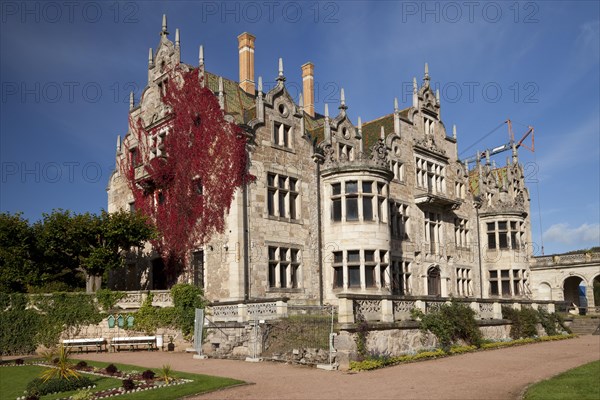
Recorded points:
(84, 394)
(111, 369)
(452, 322)
(19, 361)
(524, 321)
(81, 365)
(166, 373)
(40, 387)
(148, 374)
(362, 331)
(108, 298)
(128, 384)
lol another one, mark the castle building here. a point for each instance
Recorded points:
(340, 206)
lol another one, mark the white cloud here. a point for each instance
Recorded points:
(583, 235)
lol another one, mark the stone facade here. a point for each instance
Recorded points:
(384, 207)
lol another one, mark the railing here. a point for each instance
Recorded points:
(132, 300)
(248, 311)
(565, 259)
(395, 308)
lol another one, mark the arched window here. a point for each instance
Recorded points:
(434, 283)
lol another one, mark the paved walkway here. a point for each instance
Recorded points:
(492, 374)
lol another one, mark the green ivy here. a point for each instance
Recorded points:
(108, 298)
(524, 322)
(186, 298)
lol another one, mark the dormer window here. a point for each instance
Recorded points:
(345, 152)
(282, 135)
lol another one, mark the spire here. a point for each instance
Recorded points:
(487, 157)
(300, 101)
(260, 109)
(221, 94)
(118, 144)
(280, 76)
(260, 86)
(515, 155)
(201, 55)
(426, 77)
(415, 99)
(326, 127)
(382, 133)
(343, 106)
(177, 37)
(131, 100)
(150, 57)
(396, 117)
(437, 95)
(163, 31)
(454, 131)
(361, 144)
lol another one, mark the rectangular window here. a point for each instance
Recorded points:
(502, 235)
(370, 268)
(399, 221)
(433, 227)
(353, 268)
(282, 196)
(491, 235)
(430, 175)
(338, 269)
(351, 201)
(494, 283)
(460, 232)
(281, 134)
(505, 279)
(284, 267)
(463, 282)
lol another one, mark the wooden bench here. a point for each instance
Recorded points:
(98, 343)
(133, 342)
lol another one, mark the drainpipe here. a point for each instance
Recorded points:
(319, 236)
(477, 205)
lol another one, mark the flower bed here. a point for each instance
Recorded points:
(384, 361)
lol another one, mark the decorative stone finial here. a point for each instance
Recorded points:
(201, 55)
(260, 85)
(454, 131)
(280, 76)
(177, 37)
(361, 144)
(221, 93)
(415, 87)
(382, 133)
(300, 101)
(395, 104)
(342, 106)
(131, 100)
(437, 95)
(118, 143)
(163, 31)
(487, 157)
(427, 71)
(150, 56)
(326, 110)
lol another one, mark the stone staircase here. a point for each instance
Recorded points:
(585, 326)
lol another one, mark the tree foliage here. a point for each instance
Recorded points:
(53, 253)
(16, 248)
(187, 192)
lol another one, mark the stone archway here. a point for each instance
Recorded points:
(596, 289)
(434, 281)
(571, 290)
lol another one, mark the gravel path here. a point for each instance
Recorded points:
(492, 374)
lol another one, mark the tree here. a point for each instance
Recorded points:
(16, 245)
(187, 193)
(115, 234)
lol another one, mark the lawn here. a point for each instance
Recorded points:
(582, 383)
(13, 381)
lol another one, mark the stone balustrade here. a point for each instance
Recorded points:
(248, 311)
(135, 299)
(564, 259)
(395, 308)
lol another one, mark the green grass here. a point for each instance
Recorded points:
(13, 381)
(582, 383)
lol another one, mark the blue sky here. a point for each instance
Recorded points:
(67, 68)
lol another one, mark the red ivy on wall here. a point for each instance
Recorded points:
(188, 191)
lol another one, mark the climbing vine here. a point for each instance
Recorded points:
(187, 192)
